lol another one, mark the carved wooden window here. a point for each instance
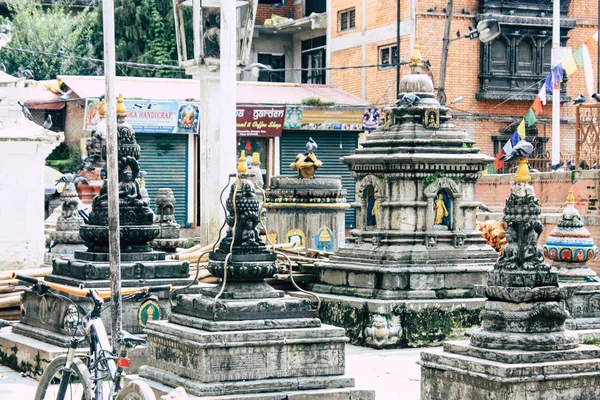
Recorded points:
(499, 56)
(347, 19)
(525, 57)
(547, 56)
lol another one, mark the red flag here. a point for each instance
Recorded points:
(499, 163)
(537, 106)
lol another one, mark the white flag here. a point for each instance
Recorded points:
(588, 69)
(542, 94)
(507, 147)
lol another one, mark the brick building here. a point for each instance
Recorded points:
(364, 33)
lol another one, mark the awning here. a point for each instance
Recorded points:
(40, 98)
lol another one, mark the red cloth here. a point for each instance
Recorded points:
(499, 163)
(537, 106)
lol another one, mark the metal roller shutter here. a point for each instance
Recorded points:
(332, 146)
(164, 158)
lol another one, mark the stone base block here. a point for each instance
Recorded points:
(406, 323)
(24, 354)
(325, 388)
(208, 357)
(584, 306)
(453, 376)
(43, 317)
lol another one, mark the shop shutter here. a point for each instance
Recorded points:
(164, 158)
(329, 152)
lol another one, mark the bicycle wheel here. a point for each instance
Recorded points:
(79, 386)
(136, 390)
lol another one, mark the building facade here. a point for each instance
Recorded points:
(498, 81)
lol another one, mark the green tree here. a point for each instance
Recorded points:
(144, 33)
(49, 30)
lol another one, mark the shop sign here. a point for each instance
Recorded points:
(259, 121)
(151, 116)
(323, 118)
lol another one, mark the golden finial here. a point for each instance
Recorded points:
(570, 197)
(242, 168)
(121, 110)
(103, 109)
(416, 60)
(256, 159)
(522, 172)
(143, 182)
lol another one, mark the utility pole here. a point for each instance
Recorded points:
(441, 97)
(108, 23)
(556, 90)
(398, 20)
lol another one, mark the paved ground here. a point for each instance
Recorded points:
(393, 374)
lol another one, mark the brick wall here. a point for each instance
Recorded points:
(264, 11)
(482, 119)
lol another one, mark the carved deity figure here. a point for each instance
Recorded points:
(381, 333)
(510, 254)
(439, 210)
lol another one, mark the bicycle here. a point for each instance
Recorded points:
(68, 377)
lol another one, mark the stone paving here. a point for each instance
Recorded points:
(393, 374)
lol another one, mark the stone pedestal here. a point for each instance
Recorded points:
(465, 372)
(168, 239)
(309, 210)
(24, 146)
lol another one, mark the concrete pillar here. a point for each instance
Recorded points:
(24, 147)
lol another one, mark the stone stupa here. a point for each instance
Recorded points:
(416, 254)
(569, 247)
(523, 350)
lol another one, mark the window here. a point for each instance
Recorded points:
(499, 56)
(275, 61)
(313, 60)
(347, 19)
(314, 6)
(388, 56)
(525, 61)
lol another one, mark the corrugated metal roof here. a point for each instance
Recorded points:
(182, 89)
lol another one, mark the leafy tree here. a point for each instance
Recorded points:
(144, 33)
(49, 30)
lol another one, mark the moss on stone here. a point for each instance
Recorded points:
(353, 320)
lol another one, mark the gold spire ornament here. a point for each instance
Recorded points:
(570, 197)
(416, 60)
(103, 109)
(242, 167)
(121, 110)
(523, 172)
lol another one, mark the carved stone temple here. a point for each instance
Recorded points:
(43, 318)
(523, 350)
(242, 338)
(415, 254)
(570, 246)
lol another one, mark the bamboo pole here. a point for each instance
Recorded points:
(14, 301)
(35, 272)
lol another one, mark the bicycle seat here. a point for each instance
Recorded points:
(131, 340)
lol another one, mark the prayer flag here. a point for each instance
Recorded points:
(557, 76)
(521, 129)
(542, 94)
(578, 56)
(530, 118)
(515, 138)
(569, 65)
(595, 36)
(498, 163)
(587, 66)
(537, 106)
(548, 83)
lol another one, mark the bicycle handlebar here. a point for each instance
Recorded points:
(103, 294)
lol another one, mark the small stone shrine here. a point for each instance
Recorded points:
(169, 237)
(44, 318)
(242, 338)
(306, 209)
(570, 246)
(65, 238)
(416, 254)
(523, 350)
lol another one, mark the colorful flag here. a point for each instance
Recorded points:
(578, 56)
(498, 163)
(548, 83)
(542, 94)
(537, 106)
(595, 36)
(510, 143)
(521, 129)
(587, 66)
(569, 65)
(557, 76)
(530, 118)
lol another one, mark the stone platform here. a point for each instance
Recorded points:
(305, 362)
(466, 372)
(409, 323)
